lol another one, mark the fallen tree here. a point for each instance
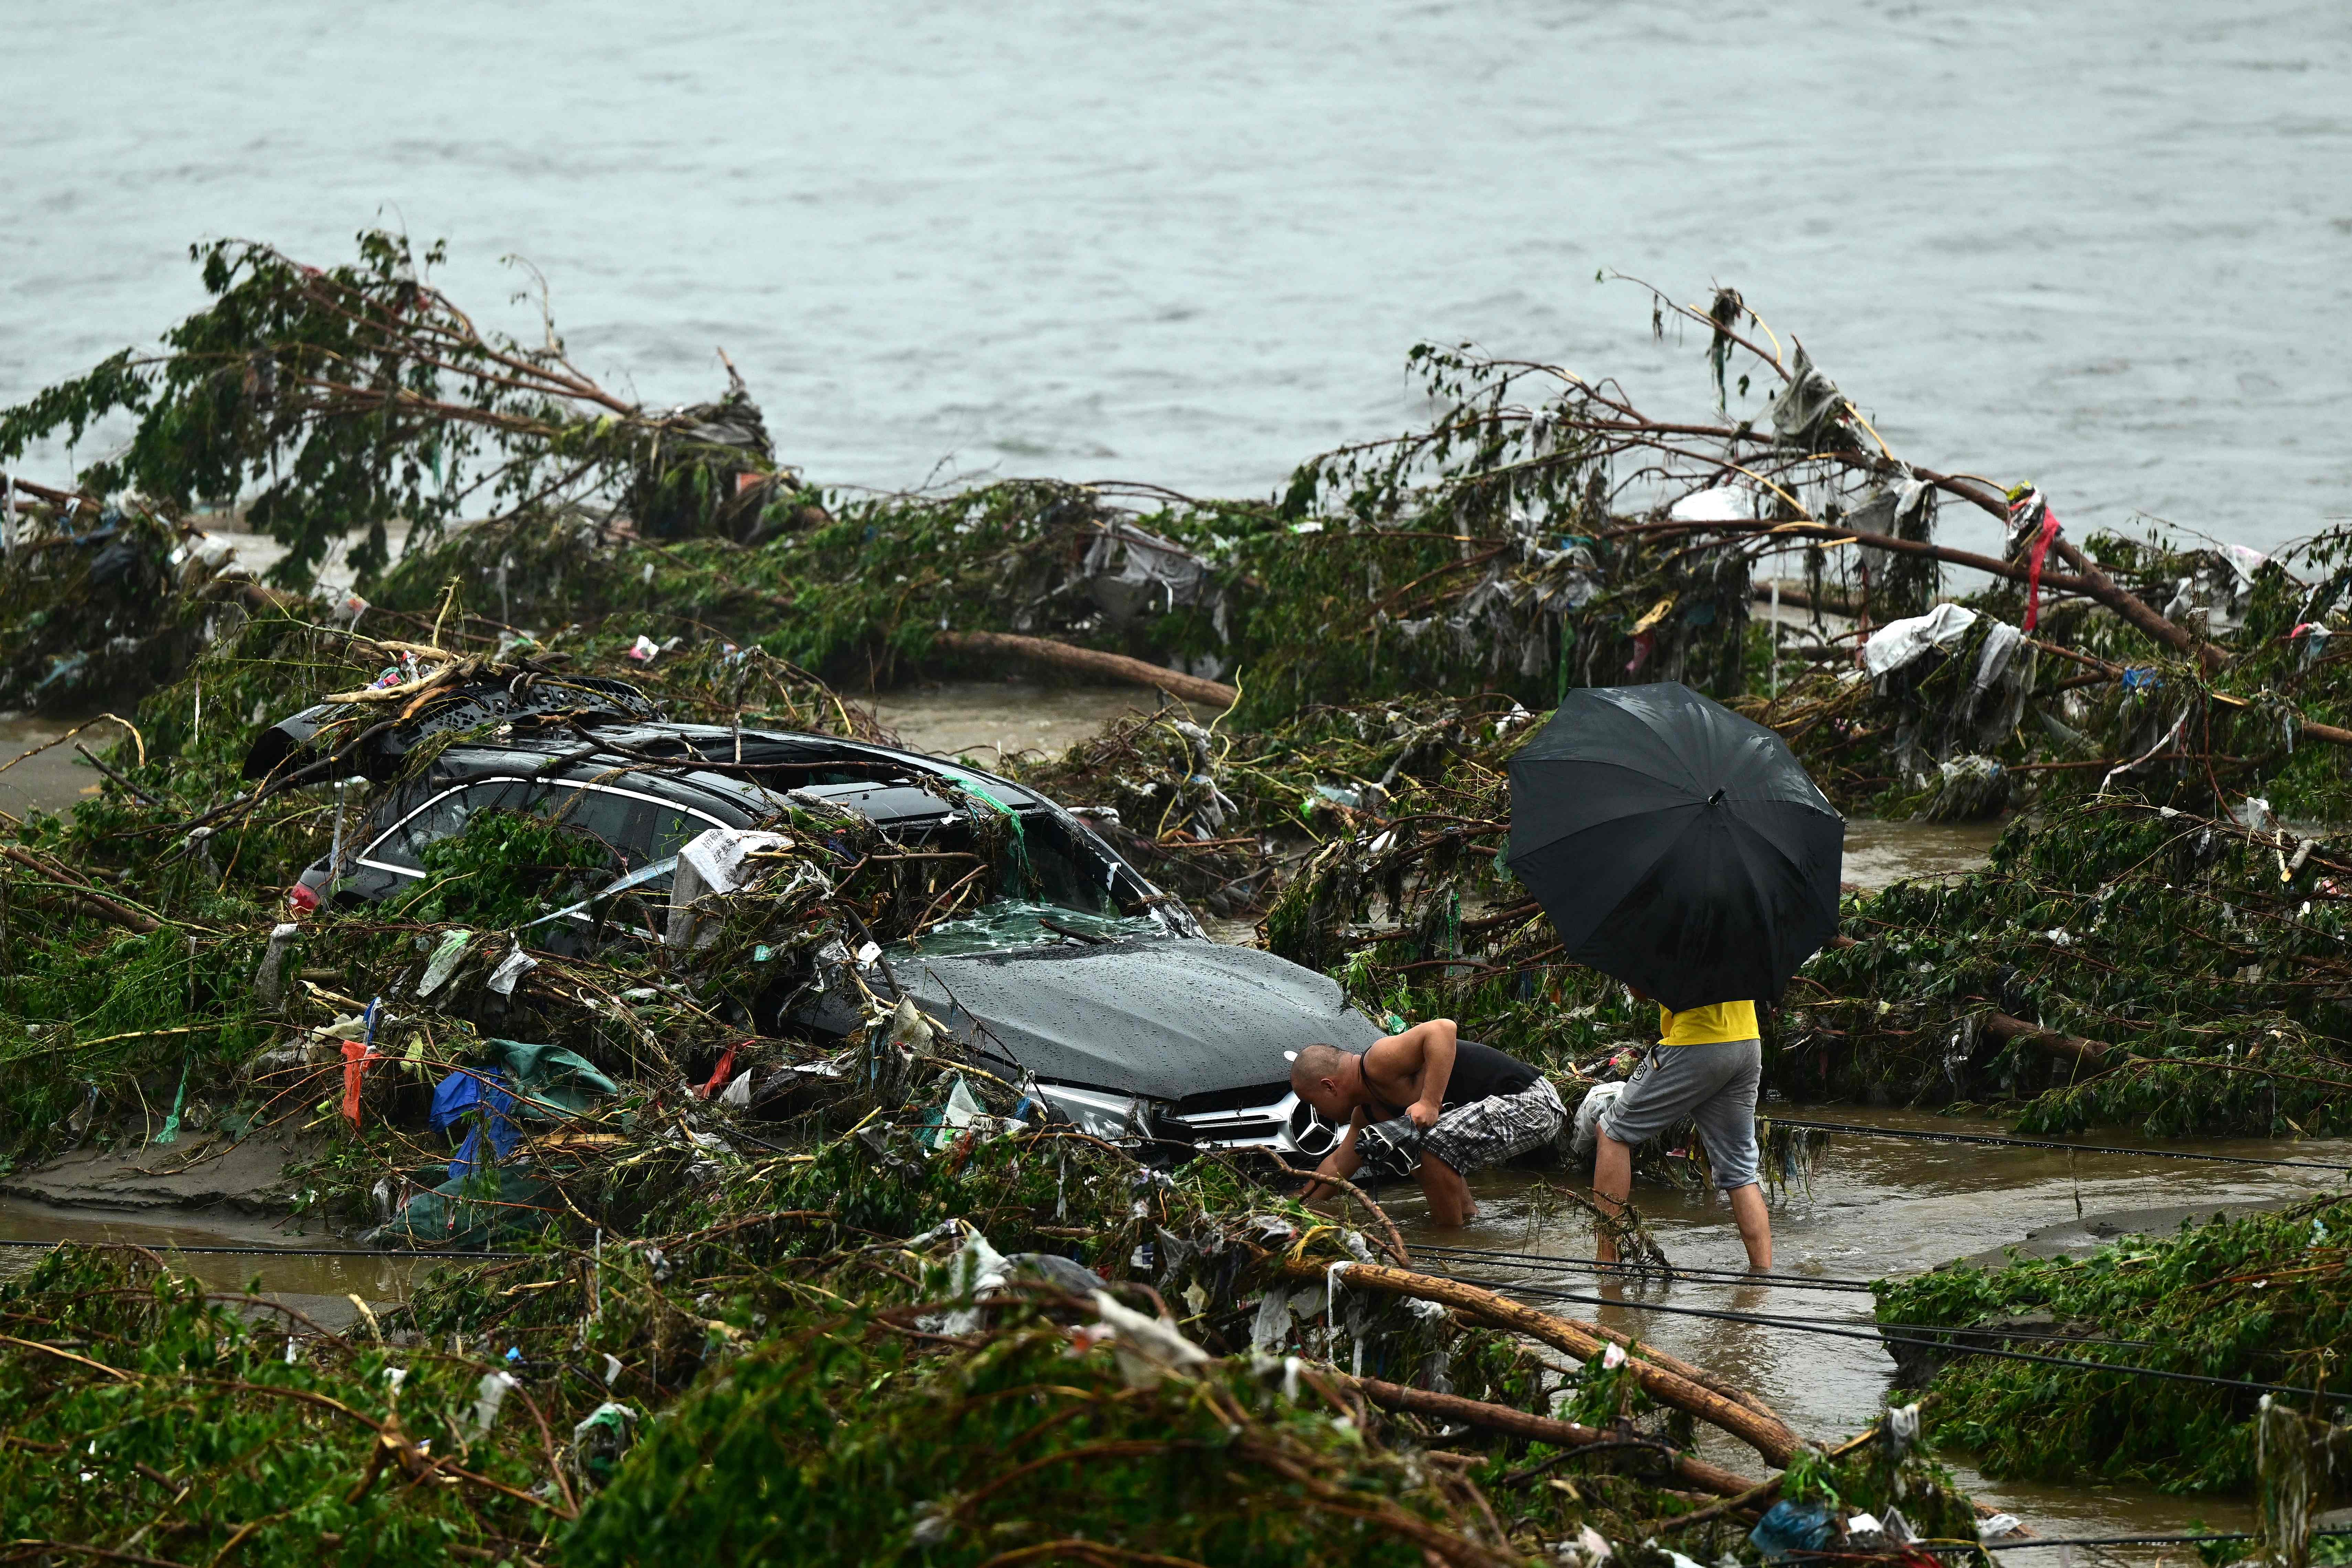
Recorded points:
(1501, 1418)
(1669, 1381)
(1090, 662)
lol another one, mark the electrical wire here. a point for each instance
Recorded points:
(1989, 1330)
(1857, 1129)
(2034, 1542)
(1731, 1277)
(1877, 1337)
(1639, 1271)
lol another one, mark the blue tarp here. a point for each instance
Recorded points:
(459, 1097)
(1789, 1528)
(550, 1082)
(488, 1194)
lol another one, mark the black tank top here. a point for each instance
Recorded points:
(1480, 1073)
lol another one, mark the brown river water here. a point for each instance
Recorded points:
(1875, 1207)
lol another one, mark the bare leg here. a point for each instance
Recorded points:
(1449, 1194)
(1613, 1184)
(1755, 1222)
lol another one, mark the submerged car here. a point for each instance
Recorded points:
(1086, 978)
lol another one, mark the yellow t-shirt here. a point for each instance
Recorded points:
(1706, 1026)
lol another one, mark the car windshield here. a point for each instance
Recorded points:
(1020, 922)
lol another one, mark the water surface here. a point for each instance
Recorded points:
(315, 1274)
(1877, 1207)
(2101, 244)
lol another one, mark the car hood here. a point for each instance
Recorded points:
(1167, 1018)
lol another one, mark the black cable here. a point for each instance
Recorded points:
(1810, 1325)
(1877, 1337)
(1641, 1271)
(1989, 1139)
(2031, 1543)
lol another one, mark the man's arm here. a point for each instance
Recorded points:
(1435, 1041)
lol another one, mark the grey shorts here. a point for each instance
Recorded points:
(1489, 1132)
(1714, 1085)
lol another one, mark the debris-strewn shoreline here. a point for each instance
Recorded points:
(866, 1287)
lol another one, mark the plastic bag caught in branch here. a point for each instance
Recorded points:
(1808, 411)
(1148, 1349)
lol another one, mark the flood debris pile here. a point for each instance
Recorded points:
(1959, 714)
(2255, 1305)
(2118, 963)
(99, 604)
(805, 1267)
(1021, 1344)
(1538, 532)
(150, 955)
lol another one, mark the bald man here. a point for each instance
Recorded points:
(1472, 1106)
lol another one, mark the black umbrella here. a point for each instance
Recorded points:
(1675, 845)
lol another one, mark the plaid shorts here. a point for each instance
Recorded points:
(1489, 1132)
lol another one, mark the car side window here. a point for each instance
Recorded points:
(444, 816)
(636, 830)
(672, 829)
(639, 831)
(610, 819)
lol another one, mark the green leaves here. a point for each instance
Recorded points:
(819, 1450)
(360, 398)
(204, 1438)
(2253, 1298)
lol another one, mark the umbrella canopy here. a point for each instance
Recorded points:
(1675, 845)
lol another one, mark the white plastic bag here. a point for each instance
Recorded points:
(444, 963)
(1586, 1139)
(711, 862)
(1897, 643)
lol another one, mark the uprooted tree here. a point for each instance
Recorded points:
(358, 396)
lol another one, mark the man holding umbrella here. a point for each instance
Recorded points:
(1707, 1065)
(1682, 849)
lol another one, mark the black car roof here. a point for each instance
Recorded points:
(697, 765)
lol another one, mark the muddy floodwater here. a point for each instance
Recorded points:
(39, 770)
(1878, 853)
(1877, 1207)
(317, 1275)
(989, 720)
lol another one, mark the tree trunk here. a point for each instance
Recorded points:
(2074, 1047)
(1706, 1478)
(81, 892)
(1088, 661)
(1764, 1432)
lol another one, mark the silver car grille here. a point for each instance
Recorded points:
(1282, 1122)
